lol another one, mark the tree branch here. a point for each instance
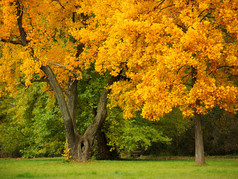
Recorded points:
(225, 66)
(101, 111)
(11, 41)
(19, 22)
(57, 64)
(35, 81)
(69, 128)
(160, 3)
(59, 3)
(167, 7)
(40, 80)
(180, 69)
(64, 67)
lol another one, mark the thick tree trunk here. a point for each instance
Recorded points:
(102, 149)
(80, 146)
(72, 101)
(199, 147)
(86, 141)
(83, 144)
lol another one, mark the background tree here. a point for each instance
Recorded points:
(136, 134)
(172, 53)
(31, 125)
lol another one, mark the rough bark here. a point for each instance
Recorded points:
(199, 147)
(79, 145)
(102, 150)
(87, 140)
(65, 113)
(19, 23)
(72, 101)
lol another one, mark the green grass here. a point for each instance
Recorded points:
(57, 168)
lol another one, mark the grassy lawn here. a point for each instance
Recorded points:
(175, 168)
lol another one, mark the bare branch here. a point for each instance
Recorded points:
(226, 66)
(180, 69)
(59, 3)
(57, 64)
(11, 41)
(157, 6)
(160, 3)
(167, 7)
(40, 80)
(64, 67)
(207, 15)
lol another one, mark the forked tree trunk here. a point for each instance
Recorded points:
(83, 144)
(80, 146)
(199, 147)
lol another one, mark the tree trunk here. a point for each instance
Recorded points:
(199, 147)
(80, 146)
(83, 144)
(102, 149)
(86, 141)
(72, 101)
(68, 123)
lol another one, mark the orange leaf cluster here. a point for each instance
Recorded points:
(174, 53)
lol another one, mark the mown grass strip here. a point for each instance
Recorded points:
(57, 168)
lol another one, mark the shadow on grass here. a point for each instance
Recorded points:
(162, 158)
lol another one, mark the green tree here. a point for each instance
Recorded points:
(31, 126)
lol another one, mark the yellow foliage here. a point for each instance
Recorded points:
(174, 52)
(47, 27)
(66, 153)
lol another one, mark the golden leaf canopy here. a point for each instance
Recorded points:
(172, 52)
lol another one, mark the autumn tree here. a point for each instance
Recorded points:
(169, 53)
(38, 46)
(172, 53)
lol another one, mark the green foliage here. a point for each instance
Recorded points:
(133, 134)
(175, 127)
(219, 134)
(32, 126)
(89, 91)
